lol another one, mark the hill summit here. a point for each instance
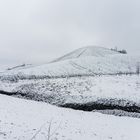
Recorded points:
(87, 51)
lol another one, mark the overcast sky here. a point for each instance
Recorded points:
(34, 31)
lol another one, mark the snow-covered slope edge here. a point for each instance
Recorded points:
(85, 93)
(24, 120)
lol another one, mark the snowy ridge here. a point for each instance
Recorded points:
(87, 51)
(23, 66)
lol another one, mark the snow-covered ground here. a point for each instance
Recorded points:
(107, 90)
(85, 61)
(26, 120)
(117, 64)
(96, 79)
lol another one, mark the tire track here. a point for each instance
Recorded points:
(81, 67)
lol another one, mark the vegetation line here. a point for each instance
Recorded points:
(101, 104)
(16, 78)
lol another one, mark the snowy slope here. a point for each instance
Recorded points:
(116, 64)
(27, 120)
(95, 51)
(84, 61)
(34, 81)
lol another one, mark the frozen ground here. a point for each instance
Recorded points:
(96, 79)
(109, 65)
(85, 93)
(85, 61)
(25, 120)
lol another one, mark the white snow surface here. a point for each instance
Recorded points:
(25, 120)
(95, 51)
(116, 64)
(81, 89)
(84, 61)
(29, 120)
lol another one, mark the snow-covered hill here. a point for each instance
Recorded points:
(103, 92)
(94, 51)
(86, 61)
(35, 83)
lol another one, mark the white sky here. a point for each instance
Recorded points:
(34, 31)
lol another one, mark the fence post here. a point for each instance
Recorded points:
(138, 68)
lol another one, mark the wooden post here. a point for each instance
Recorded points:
(138, 68)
